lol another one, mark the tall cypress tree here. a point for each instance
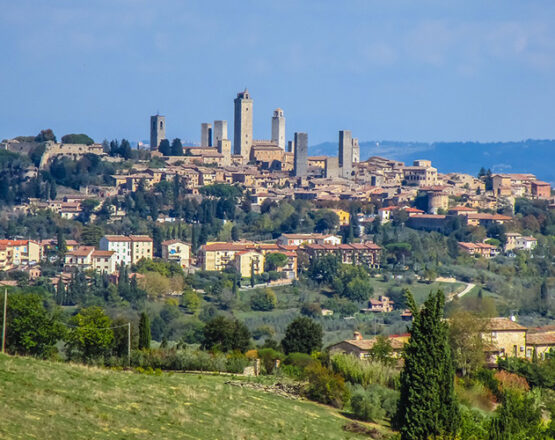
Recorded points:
(427, 405)
(144, 332)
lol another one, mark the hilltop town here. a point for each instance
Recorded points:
(237, 256)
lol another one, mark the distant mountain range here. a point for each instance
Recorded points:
(529, 156)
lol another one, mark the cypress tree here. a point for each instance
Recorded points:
(144, 332)
(427, 406)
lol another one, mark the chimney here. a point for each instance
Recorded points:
(357, 336)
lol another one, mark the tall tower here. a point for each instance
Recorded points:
(301, 155)
(345, 153)
(242, 133)
(278, 128)
(205, 134)
(157, 131)
(220, 132)
(356, 151)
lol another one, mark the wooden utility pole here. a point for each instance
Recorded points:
(4, 320)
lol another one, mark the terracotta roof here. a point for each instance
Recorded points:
(140, 238)
(485, 216)
(461, 208)
(81, 251)
(366, 344)
(168, 242)
(541, 339)
(117, 238)
(99, 253)
(503, 324)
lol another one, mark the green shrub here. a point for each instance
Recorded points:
(268, 357)
(366, 406)
(325, 386)
(301, 360)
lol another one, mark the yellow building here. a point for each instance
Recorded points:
(178, 251)
(141, 247)
(247, 261)
(504, 337)
(220, 255)
(344, 217)
(18, 252)
(541, 342)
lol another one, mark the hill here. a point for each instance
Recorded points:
(527, 156)
(41, 399)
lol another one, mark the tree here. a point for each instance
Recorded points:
(91, 235)
(324, 269)
(45, 135)
(465, 338)
(274, 261)
(427, 406)
(253, 275)
(264, 300)
(543, 305)
(326, 221)
(234, 233)
(226, 334)
(382, 351)
(176, 147)
(165, 147)
(30, 329)
(125, 149)
(144, 332)
(91, 336)
(61, 243)
(77, 139)
(303, 335)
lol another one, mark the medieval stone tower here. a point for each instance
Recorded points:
(345, 155)
(157, 131)
(242, 134)
(278, 128)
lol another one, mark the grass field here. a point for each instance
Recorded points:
(47, 400)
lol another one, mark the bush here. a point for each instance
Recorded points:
(325, 386)
(363, 372)
(268, 357)
(366, 406)
(264, 300)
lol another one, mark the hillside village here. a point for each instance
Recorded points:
(264, 261)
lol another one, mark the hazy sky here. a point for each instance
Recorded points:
(404, 70)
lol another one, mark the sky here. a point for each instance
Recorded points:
(389, 69)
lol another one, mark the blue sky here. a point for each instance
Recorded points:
(404, 70)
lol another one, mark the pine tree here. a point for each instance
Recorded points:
(427, 405)
(144, 332)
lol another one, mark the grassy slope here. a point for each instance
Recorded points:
(41, 400)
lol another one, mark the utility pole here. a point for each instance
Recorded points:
(4, 320)
(129, 343)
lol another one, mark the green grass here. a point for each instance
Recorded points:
(48, 400)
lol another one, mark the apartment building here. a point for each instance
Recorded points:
(299, 239)
(128, 249)
(89, 258)
(15, 253)
(367, 254)
(178, 251)
(482, 249)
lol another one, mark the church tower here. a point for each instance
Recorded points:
(157, 131)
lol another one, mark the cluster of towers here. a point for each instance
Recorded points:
(215, 135)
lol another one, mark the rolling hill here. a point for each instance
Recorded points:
(48, 400)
